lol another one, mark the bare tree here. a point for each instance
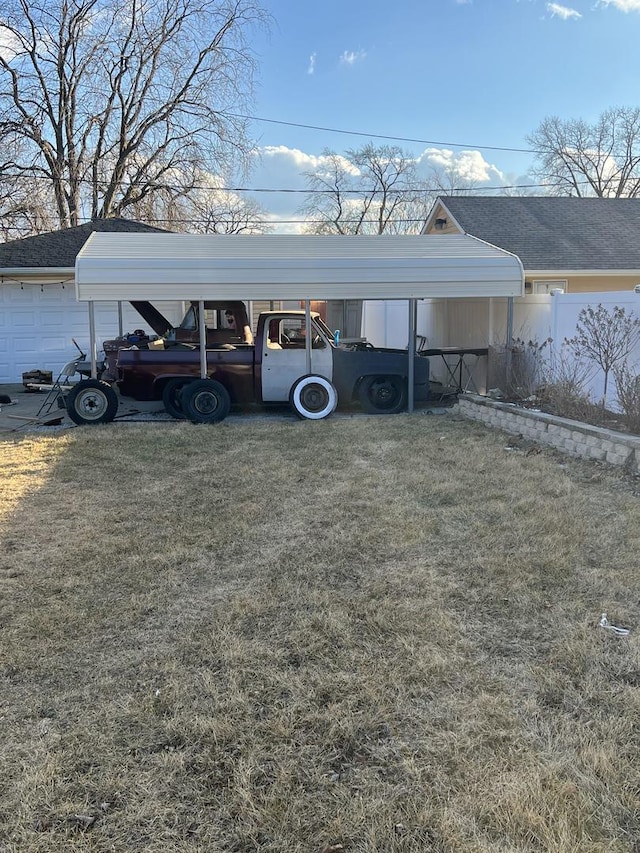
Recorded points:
(605, 338)
(225, 212)
(24, 209)
(25, 203)
(114, 101)
(22, 217)
(207, 209)
(600, 159)
(366, 191)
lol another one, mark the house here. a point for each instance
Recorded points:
(574, 251)
(566, 245)
(39, 313)
(578, 245)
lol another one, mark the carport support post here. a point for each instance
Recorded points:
(120, 321)
(308, 336)
(92, 340)
(202, 331)
(411, 349)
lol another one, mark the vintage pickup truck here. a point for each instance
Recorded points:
(273, 369)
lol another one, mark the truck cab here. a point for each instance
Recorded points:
(225, 322)
(282, 338)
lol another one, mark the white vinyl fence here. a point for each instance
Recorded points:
(564, 318)
(483, 323)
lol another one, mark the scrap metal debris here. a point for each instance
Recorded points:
(619, 632)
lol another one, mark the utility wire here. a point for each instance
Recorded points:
(293, 190)
(380, 135)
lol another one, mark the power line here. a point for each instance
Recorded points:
(247, 222)
(294, 190)
(382, 136)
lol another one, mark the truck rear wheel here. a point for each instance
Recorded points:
(92, 401)
(172, 398)
(313, 397)
(205, 401)
(383, 395)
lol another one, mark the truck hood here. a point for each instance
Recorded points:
(153, 317)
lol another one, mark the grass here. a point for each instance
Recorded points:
(367, 634)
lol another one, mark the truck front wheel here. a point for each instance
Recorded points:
(383, 395)
(205, 401)
(313, 397)
(92, 401)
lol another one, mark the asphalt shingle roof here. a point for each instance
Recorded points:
(555, 233)
(59, 248)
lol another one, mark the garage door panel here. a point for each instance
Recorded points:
(55, 295)
(24, 319)
(44, 343)
(17, 295)
(37, 325)
(57, 318)
(37, 329)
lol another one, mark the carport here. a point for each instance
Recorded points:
(198, 267)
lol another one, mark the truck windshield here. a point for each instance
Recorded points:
(190, 320)
(325, 329)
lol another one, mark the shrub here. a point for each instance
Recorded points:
(628, 387)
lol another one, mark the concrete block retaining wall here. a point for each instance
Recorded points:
(572, 437)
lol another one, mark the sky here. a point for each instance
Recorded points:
(462, 77)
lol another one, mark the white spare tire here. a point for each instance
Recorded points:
(313, 397)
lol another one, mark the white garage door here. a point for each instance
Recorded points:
(37, 324)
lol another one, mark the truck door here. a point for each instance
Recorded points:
(284, 356)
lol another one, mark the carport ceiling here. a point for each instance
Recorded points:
(141, 266)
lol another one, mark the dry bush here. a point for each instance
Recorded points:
(553, 380)
(529, 367)
(378, 633)
(628, 390)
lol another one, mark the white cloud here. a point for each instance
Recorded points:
(312, 63)
(285, 224)
(279, 156)
(623, 5)
(564, 12)
(468, 166)
(278, 167)
(9, 44)
(350, 57)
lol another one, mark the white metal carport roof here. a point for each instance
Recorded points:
(142, 266)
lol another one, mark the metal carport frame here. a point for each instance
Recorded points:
(142, 266)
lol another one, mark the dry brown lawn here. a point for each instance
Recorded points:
(364, 634)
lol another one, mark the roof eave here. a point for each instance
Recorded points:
(13, 272)
(573, 272)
